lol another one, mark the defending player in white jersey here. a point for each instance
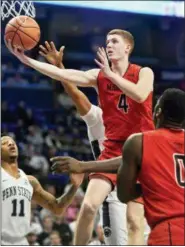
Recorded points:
(18, 189)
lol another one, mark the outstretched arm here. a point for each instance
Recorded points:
(138, 92)
(48, 201)
(127, 187)
(69, 164)
(77, 77)
(55, 57)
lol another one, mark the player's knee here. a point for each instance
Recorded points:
(135, 222)
(89, 208)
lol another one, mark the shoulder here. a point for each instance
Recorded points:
(33, 181)
(22, 172)
(133, 146)
(146, 71)
(134, 140)
(92, 76)
(153, 133)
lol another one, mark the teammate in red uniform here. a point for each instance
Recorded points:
(125, 92)
(157, 159)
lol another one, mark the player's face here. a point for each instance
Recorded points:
(9, 148)
(116, 47)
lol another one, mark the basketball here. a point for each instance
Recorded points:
(23, 31)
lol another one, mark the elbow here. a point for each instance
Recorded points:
(121, 196)
(139, 98)
(58, 211)
(123, 199)
(142, 95)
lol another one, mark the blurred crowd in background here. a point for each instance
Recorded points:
(41, 117)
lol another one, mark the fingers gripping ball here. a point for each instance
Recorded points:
(23, 31)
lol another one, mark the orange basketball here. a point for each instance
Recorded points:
(23, 31)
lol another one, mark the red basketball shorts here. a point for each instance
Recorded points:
(112, 149)
(139, 200)
(168, 232)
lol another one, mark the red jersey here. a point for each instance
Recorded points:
(122, 115)
(162, 175)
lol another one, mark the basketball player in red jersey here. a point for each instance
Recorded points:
(125, 92)
(112, 211)
(157, 159)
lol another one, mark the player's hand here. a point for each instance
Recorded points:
(51, 54)
(77, 179)
(17, 51)
(103, 62)
(65, 164)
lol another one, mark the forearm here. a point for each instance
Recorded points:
(46, 200)
(107, 166)
(69, 87)
(63, 202)
(73, 76)
(81, 102)
(132, 90)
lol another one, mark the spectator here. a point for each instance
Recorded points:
(39, 163)
(34, 136)
(21, 111)
(47, 224)
(51, 140)
(50, 152)
(32, 239)
(6, 115)
(20, 131)
(35, 225)
(65, 101)
(20, 80)
(30, 120)
(62, 226)
(55, 238)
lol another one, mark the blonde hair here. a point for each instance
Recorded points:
(125, 35)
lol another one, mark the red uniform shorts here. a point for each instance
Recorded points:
(112, 149)
(139, 200)
(168, 232)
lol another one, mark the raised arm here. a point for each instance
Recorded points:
(69, 164)
(55, 57)
(77, 77)
(46, 200)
